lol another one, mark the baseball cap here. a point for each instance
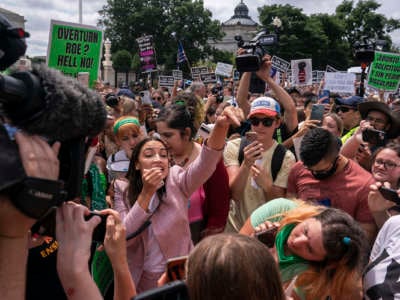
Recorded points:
(352, 101)
(266, 106)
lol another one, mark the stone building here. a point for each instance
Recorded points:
(239, 24)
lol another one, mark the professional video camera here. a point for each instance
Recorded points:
(218, 92)
(255, 50)
(43, 102)
(364, 50)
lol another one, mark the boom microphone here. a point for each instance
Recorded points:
(47, 103)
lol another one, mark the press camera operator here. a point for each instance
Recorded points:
(39, 160)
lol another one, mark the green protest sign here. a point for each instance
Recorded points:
(75, 48)
(384, 73)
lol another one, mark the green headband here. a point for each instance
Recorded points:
(122, 122)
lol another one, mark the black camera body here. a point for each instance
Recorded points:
(364, 50)
(255, 51)
(218, 92)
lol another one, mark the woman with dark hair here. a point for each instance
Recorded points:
(386, 171)
(324, 247)
(209, 204)
(153, 201)
(232, 267)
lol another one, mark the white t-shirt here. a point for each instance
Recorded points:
(382, 275)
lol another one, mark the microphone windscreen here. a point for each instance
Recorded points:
(71, 111)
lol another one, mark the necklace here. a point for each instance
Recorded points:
(185, 160)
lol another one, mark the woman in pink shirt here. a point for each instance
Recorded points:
(153, 201)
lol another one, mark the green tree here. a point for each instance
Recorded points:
(122, 61)
(362, 20)
(317, 36)
(191, 23)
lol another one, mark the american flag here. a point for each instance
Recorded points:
(181, 57)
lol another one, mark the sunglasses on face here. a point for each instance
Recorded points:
(343, 109)
(267, 122)
(157, 98)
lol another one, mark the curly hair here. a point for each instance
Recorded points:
(318, 144)
(194, 106)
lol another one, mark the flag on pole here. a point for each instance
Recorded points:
(181, 57)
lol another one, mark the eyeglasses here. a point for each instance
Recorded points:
(388, 165)
(157, 98)
(267, 122)
(343, 109)
(375, 120)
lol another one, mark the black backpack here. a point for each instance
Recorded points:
(277, 156)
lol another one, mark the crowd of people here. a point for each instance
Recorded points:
(178, 173)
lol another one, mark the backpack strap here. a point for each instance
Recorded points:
(277, 160)
(277, 156)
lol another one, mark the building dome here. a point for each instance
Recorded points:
(241, 16)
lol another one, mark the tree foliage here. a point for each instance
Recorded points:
(328, 39)
(126, 20)
(122, 60)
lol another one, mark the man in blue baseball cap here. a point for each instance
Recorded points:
(347, 109)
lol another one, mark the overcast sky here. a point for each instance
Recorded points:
(38, 13)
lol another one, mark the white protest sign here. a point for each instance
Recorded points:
(339, 82)
(196, 71)
(224, 69)
(280, 64)
(177, 74)
(302, 71)
(165, 81)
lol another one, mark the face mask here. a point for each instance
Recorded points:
(320, 175)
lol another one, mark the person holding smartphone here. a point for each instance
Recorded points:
(378, 125)
(153, 201)
(386, 172)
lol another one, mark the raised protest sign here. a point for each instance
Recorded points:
(177, 74)
(147, 54)
(339, 82)
(75, 48)
(224, 69)
(384, 72)
(318, 76)
(196, 71)
(302, 71)
(280, 64)
(166, 81)
(208, 78)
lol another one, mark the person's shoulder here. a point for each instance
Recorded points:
(234, 143)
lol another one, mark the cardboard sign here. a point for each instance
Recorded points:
(223, 69)
(75, 48)
(280, 64)
(166, 81)
(302, 71)
(208, 78)
(384, 73)
(340, 82)
(177, 74)
(196, 71)
(147, 54)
